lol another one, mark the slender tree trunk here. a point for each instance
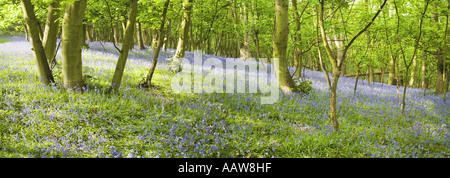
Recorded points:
(183, 36)
(27, 35)
(140, 38)
(160, 43)
(51, 30)
(413, 72)
(116, 34)
(371, 77)
(338, 61)
(381, 76)
(297, 38)
(154, 38)
(218, 44)
(440, 72)
(167, 38)
(324, 69)
(45, 74)
(83, 36)
(89, 33)
(335, 69)
(446, 68)
(440, 59)
(391, 80)
(235, 29)
(127, 43)
(399, 71)
(407, 66)
(356, 77)
(245, 48)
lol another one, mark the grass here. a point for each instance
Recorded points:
(48, 121)
(3, 40)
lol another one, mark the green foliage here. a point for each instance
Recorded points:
(304, 86)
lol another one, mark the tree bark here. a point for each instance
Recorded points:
(71, 45)
(127, 43)
(45, 74)
(183, 37)
(89, 36)
(424, 71)
(167, 38)
(51, 30)
(297, 38)
(244, 47)
(440, 73)
(116, 34)
(140, 38)
(440, 59)
(83, 36)
(160, 43)
(371, 76)
(280, 40)
(391, 80)
(413, 72)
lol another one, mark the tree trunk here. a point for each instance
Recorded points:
(27, 35)
(216, 50)
(255, 29)
(154, 38)
(71, 45)
(371, 78)
(51, 30)
(244, 47)
(356, 77)
(83, 35)
(140, 38)
(183, 37)
(399, 71)
(167, 38)
(333, 109)
(413, 72)
(127, 43)
(89, 36)
(381, 76)
(45, 74)
(337, 62)
(160, 43)
(391, 80)
(297, 38)
(280, 40)
(235, 30)
(440, 73)
(116, 34)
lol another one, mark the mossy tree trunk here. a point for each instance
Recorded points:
(280, 40)
(413, 72)
(297, 56)
(183, 36)
(71, 45)
(45, 74)
(51, 30)
(127, 43)
(140, 36)
(148, 80)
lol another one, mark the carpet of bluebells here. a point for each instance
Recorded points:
(48, 121)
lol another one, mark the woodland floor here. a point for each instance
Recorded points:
(43, 121)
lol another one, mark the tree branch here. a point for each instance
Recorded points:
(361, 32)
